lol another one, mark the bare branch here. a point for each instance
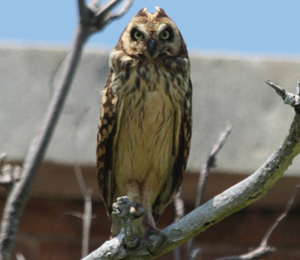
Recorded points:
(258, 253)
(87, 214)
(179, 213)
(102, 14)
(265, 240)
(287, 97)
(203, 176)
(196, 252)
(122, 11)
(20, 256)
(9, 174)
(210, 163)
(20, 192)
(3, 156)
(264, 249)
(179, 205)
(82, 8)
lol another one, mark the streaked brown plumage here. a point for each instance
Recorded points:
(145, 121)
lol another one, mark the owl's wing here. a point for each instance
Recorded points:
(106, 138)
(181, 144)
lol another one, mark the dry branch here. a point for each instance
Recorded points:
(264, 249)
(203, 176)
(90, 21)
(9, 174)
(179, 213)
(216, 209)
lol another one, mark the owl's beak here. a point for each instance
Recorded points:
(151, 47)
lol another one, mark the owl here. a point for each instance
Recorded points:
(145, 123)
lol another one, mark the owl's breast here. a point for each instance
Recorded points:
(146, 131)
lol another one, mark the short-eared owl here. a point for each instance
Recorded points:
(145, 122)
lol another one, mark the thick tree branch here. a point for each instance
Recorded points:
(89, 22)
(216, 209)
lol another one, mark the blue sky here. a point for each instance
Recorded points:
(235, 26)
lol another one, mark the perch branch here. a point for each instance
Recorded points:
(121, 210)
(20, 192)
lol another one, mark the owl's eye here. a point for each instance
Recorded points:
(137, 35)
(165, 35)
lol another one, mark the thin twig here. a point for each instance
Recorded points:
(9, 174)
(20, 256)
(3, 156)
(87, 215)
(20, 192)
(255, 254)
(203, 176)
(179, 205)
(54, 73)
(195, 253)
(287, 97)
(209, 164)
(264, 249)
(265, 240)
(179, 213)
(122, 10)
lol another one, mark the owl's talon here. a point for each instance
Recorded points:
(137, 210)
(154, 241)
(132, 243)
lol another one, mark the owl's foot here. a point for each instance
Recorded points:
(153, 237)
(137, 210)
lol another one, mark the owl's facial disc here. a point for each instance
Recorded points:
(151, 36)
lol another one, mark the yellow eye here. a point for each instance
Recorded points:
(164, 35)
(138, 35)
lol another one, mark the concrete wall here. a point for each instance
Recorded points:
(226, 88)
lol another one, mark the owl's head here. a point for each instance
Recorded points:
(151, 36)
